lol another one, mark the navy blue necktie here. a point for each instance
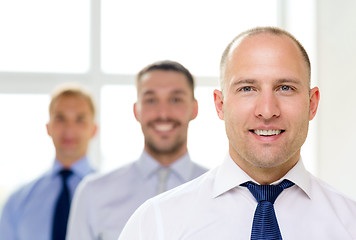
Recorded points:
(265, 225)
(61, 211)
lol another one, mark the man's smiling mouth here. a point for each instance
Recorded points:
(164, 127)
(271, 132)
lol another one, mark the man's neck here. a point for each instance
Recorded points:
(166, 159)
(266, 176)
(67, 161)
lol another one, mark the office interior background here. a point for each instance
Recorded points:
(103, 44)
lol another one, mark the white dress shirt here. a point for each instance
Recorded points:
(102, 204)
(215, 206)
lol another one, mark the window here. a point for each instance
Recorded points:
(44, 36)
(138, 32)
(26, 149)
(103, 44)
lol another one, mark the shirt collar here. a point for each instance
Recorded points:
(300, 177)
(229, 175)
(182, 167)
(80, 168)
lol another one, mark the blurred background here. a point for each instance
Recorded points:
(103, 44)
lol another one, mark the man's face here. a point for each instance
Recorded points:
(71, 127)
(164, 107)
(266, 103)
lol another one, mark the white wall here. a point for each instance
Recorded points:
(336, 71)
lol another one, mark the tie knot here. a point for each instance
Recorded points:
(163, 173)
(267, 192)
(65, 173)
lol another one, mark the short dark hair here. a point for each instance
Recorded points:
(258, 30)
(167, 65)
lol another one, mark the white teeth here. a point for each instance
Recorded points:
(267, 132)
(163, 127)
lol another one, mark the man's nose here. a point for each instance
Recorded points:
(267, 106)
(164, 110)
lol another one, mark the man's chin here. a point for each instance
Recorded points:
(164, 149)
(268, 160)
(71, 153)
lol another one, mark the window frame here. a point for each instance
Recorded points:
(94, 78)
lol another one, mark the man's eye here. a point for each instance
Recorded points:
(246, 89)
(59, 118)
(80, 119)
(285, 88)
(150, 100)
(176, 100)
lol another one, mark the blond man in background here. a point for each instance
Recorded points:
(39, 210)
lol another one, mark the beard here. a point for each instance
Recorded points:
(165, 145)
(164, 150)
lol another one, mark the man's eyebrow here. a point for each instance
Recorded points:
(279, 81)
(244, 81)
(288, 80)
(179, 92)
(83, 114)
(148, 92)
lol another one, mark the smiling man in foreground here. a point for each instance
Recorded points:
(261, 190)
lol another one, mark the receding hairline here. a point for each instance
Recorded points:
(72, 90)
(256, 31)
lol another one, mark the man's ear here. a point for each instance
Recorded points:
(135, 110)
(48, 130)
(95, 130)
(195, 110)
(314, 102)
(219, 103)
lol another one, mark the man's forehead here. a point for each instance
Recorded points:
(68, 100)
(261, 38)
(163, 81)
(160, 77)
(70, 104)
(167, 91)
(261, 41)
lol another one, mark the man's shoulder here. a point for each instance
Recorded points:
(26, 191)
(339, 206)
(112, 178)
(329, 190)
(340, 203)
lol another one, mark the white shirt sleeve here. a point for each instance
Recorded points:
(144, 224)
